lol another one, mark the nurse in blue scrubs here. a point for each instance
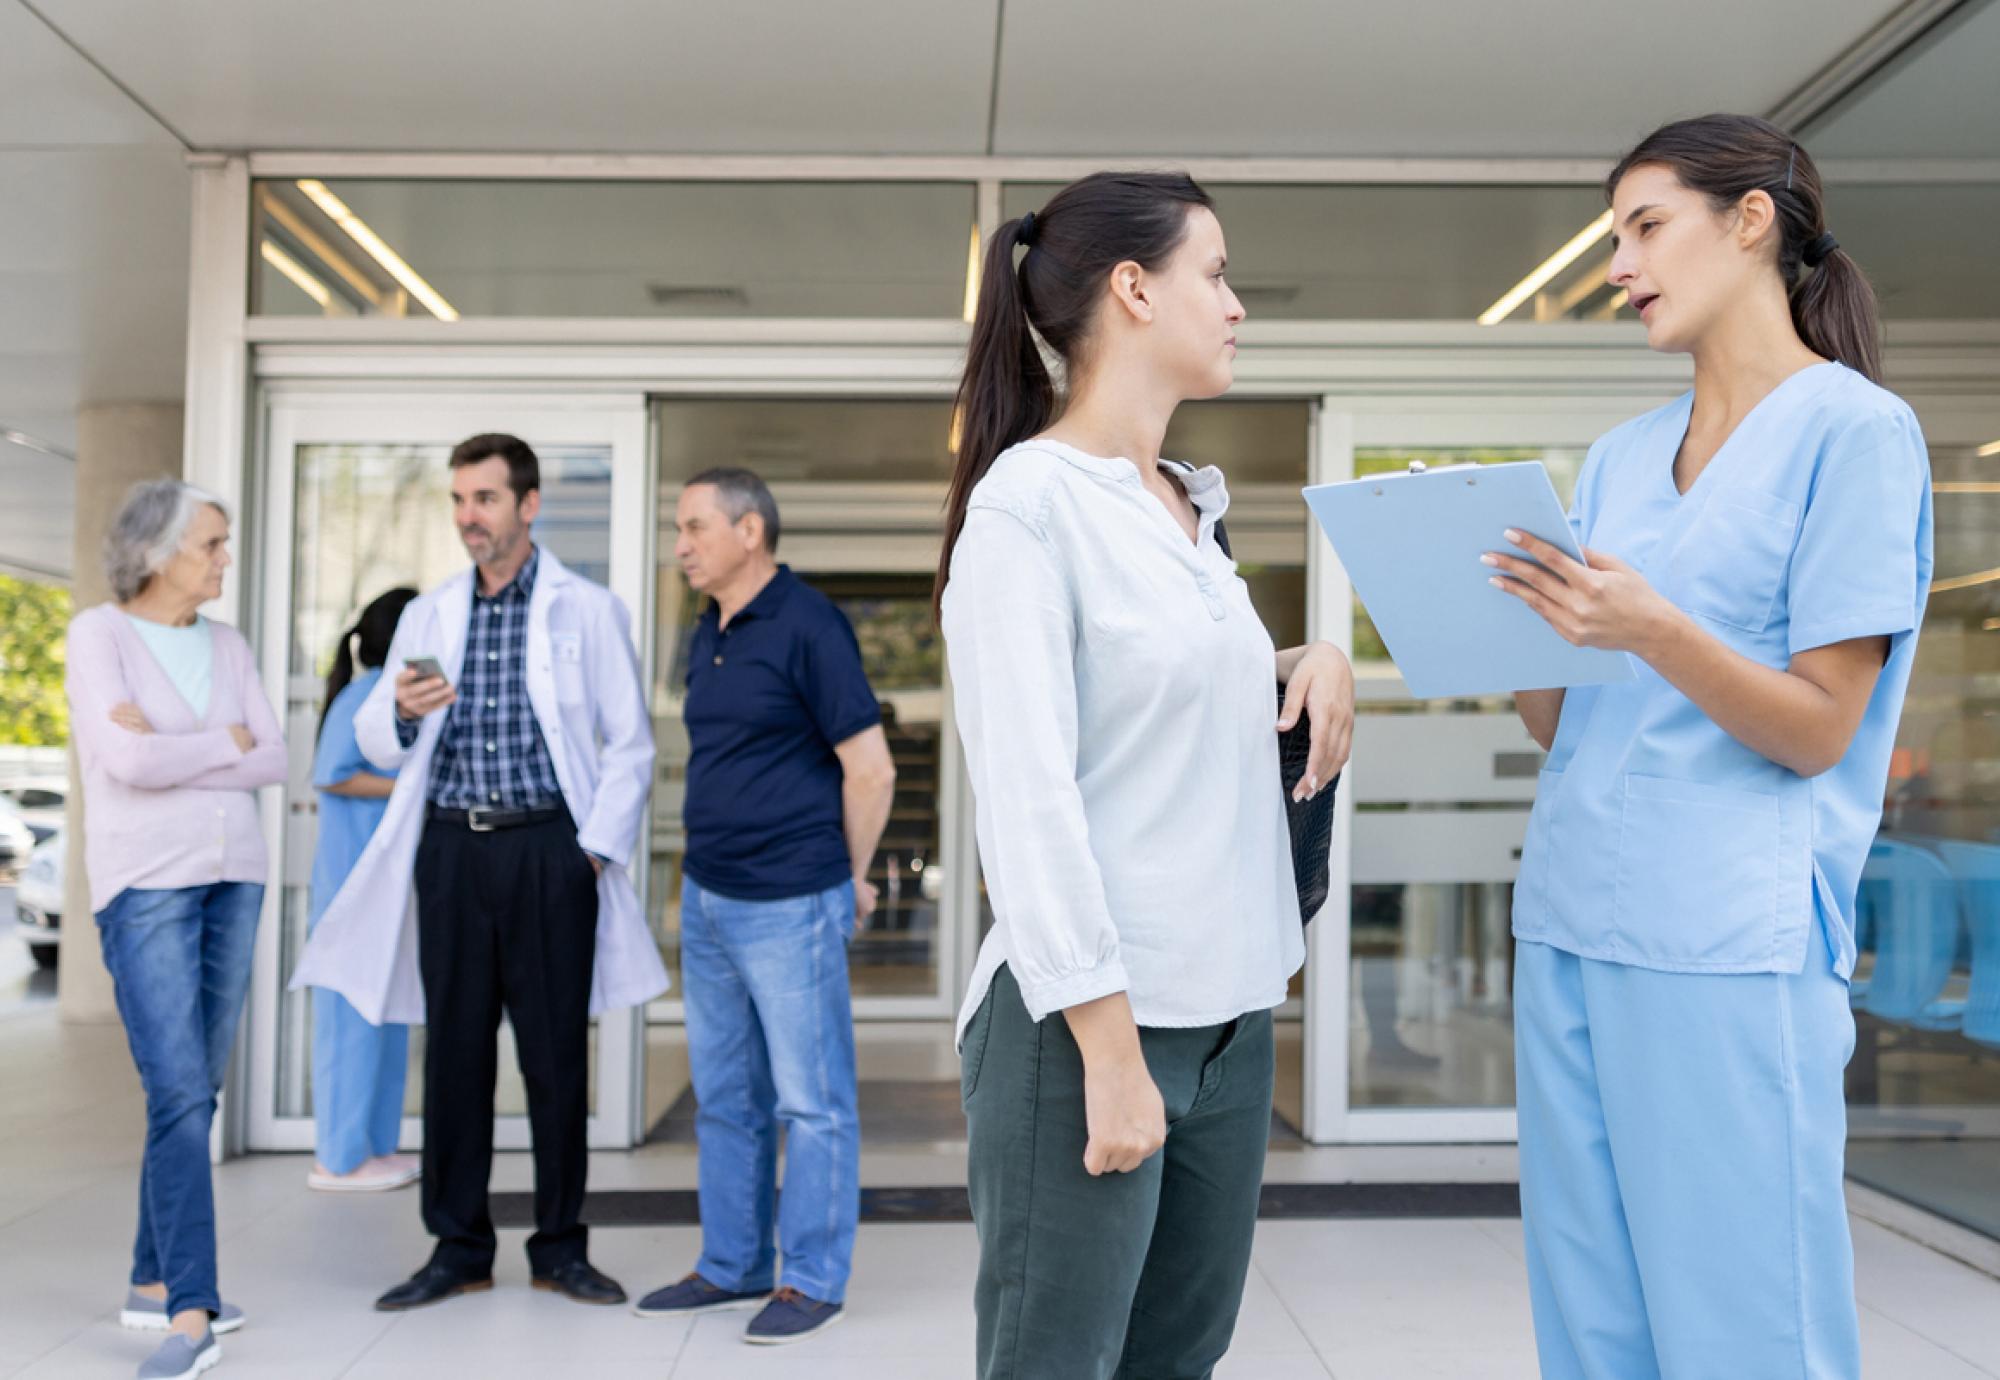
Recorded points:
(358, 1069)
(1761, 547)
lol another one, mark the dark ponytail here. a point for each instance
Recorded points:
(373, 632)
(1086, 230)
(1726, 157)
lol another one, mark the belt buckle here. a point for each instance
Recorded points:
(475, 823)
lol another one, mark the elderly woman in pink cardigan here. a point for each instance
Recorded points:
(175, 735)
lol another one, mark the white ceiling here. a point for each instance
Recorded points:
(101, 99)
(1173, 77)
(1306, 77)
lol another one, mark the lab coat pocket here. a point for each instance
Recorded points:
(1731, 566)
(1697, 886)
(566, 653)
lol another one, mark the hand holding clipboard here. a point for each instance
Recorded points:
(1412, 543)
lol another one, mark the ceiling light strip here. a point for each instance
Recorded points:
(1983, 577)
(296, 271)
(972, 279)
(1578, 245)
(29, 442)
(288, 218)
(357, 230)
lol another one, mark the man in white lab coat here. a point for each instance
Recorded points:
(524, 770)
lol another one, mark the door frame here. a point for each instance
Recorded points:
(290, 419)
(1462, 416)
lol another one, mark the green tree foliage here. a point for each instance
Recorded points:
(33, 621)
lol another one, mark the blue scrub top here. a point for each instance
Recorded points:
(346, 823)
(1657, 839)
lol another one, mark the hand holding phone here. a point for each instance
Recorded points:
(421, 688)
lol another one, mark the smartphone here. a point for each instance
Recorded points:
(425, 666)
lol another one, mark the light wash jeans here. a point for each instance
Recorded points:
(180, 965)
(771, 1040)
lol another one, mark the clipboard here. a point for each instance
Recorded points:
(1411, 544)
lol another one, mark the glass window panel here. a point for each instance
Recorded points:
(1927, 250)
(1934, 99)
(1392, 252)
(859, 485)
(1924, 1084)
(370, 517)
(353, 247)
(1430, 1014)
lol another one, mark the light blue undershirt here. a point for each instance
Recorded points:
(186, 654)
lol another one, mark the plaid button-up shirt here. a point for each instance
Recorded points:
(491, 752)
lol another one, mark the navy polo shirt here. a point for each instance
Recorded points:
(768, 697)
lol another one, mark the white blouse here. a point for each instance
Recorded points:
(1117, 697)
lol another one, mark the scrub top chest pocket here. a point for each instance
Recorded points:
(1729, 566)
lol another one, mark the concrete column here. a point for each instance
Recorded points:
(117, 445)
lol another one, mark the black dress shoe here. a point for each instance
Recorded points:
(580, 1280)
(433, 1284)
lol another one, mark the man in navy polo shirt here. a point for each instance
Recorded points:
(789, 784)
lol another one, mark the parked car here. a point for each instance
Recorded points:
(40, 802)
(17, 840)
(38, 899)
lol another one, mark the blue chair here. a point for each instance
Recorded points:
(1913, 907)
(1975, 868)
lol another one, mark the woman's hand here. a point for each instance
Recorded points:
(1125, 1118)
(1322, 683)
(245, 740)
(1605, 604)
(128, 717)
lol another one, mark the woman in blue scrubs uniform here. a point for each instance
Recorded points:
(357, 1068)
(1685, 912)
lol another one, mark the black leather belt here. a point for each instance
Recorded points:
(481, 820)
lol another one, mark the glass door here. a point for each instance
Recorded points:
(1418, 1043)
(357, 502)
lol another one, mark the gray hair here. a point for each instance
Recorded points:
(148, 530)
(740, 491)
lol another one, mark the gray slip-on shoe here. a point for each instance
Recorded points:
(178, 1358)
(142, 1314)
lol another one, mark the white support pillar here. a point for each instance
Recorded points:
(1330, 618)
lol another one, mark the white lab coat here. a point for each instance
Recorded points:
(584, 685)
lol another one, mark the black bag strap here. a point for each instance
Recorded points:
(1222, 539)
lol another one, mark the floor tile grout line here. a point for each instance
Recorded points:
(363, 1354)
(687, 1340)
(36, 1360)
(1285, 1304)
(1947, 1349)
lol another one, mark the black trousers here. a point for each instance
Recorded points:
(506, 920)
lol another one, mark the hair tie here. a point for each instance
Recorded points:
(1816, 252)
(1024, 231)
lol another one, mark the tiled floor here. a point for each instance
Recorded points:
(1352, 1299)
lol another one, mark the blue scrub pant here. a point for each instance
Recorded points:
(1682, 1144)
(358, 1071)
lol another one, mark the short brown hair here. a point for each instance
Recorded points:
(524, 471)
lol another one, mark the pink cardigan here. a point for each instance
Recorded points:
(176, 807)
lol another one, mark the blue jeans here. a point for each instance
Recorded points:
(180, 963)
(770, 1040)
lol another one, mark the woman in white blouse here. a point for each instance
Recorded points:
(1115, 695)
